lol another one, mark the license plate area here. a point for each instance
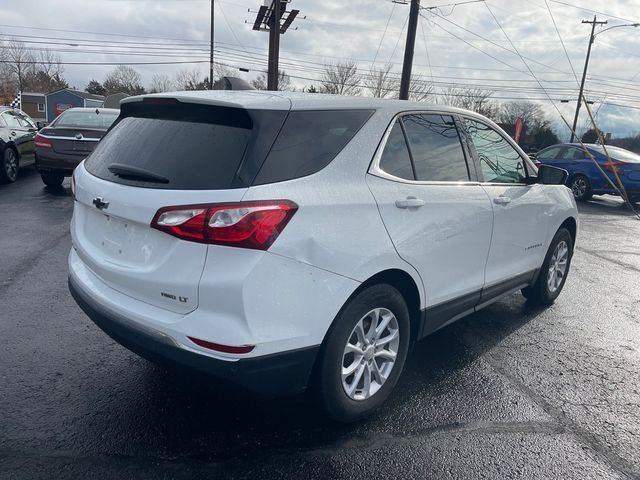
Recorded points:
(80, 146)
(114, 237)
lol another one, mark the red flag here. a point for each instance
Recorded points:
(519, 128)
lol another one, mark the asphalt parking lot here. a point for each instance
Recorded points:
(512, 392)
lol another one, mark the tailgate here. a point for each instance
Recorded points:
(119, 246)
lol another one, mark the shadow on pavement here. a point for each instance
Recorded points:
(606, 205)
(199, 418)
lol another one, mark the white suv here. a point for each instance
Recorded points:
(281, 241)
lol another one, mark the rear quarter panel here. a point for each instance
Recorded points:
(338, 226)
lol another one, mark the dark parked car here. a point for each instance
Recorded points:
(585, 179)
(17, 132)
(69, 139)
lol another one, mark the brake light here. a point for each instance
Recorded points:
(243, 224)
(73, 184)
(613, 166)
(222, 348)
(160, 101)
(42, 142)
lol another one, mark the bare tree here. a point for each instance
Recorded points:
(341, 78)
(190, 79)
(123, 79)
(531, 114)
(160, 83)
(420, 90)
(475, 99)
(381, 82)
(23, 69)
(223, 71)
(20, 61)
(7, 81)
(50, 63)
(284, 81)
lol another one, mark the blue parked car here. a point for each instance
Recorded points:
(585, 180)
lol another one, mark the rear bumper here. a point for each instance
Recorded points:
(48, 161)
(273, 375)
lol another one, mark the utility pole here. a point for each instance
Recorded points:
(592, 38)
(405, 80)
(211, 52)
(268, 19)
(274, 45)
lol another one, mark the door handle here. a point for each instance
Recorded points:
(410, 202)
(13, 134)
(501, 200)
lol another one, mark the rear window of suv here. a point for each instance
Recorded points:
(202, 147)
(190, 146)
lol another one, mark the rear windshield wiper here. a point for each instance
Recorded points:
(135, 173)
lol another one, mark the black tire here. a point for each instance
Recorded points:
(329, 383)
(9, 166)
(581, 188)
(540, 292)
(52, 179)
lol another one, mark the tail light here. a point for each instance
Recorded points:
(42, 142)
(613, 167)
(243, 224)
(73, 184)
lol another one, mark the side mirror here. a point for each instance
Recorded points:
(548, 175)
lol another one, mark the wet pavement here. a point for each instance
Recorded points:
(511, 392)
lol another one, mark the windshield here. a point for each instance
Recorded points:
(86, 119)
(618, 153)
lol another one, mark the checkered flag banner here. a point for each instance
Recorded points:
(17, 102)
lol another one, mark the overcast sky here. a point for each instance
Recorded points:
(449, 48)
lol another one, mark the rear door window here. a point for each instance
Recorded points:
(309, 141)
(573, 153)
(436, 148)
(550, 153)
(395, 158)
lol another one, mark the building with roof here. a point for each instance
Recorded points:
(34, 105)
(61, 100)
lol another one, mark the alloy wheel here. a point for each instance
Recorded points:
(370, 354)
(557, 266)
(11, 165)
(579, 187)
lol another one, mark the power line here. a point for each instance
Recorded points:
(453, 67)
(553, 20)
(393, 7)
(490, 41)
(102, 33)
(593, 11)
(109, 63)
